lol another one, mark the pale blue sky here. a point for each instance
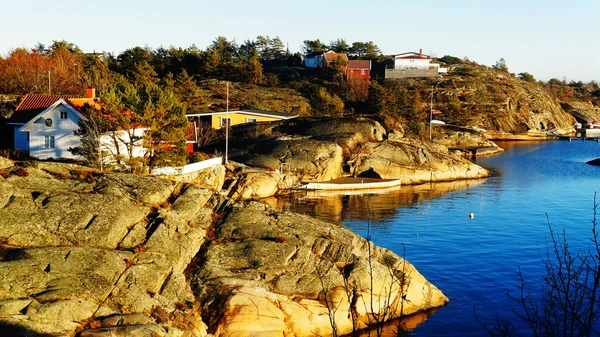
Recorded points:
(545, 38)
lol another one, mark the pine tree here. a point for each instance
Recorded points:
(164, 117)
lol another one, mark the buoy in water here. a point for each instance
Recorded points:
(471, 215)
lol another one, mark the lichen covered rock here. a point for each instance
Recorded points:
(276, 273)
(413, 162)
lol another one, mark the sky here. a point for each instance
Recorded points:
(548, 39)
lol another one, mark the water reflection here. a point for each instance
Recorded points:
(409, 323)
(380, 206)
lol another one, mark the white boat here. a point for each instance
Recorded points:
(351, 184)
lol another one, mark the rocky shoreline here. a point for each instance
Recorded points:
(279, 156)
(85, 253)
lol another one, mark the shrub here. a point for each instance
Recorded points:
(527, 77)
(465, 71)
(451, 59)
(570, 294)
(196, 157)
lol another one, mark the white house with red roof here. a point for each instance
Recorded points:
(45, 125)
(417, 61)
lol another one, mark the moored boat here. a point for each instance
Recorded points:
(351, 183)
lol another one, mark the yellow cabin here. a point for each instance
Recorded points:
(218, 120)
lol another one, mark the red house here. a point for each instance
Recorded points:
(360, 69)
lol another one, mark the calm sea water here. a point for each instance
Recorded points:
(475, 261)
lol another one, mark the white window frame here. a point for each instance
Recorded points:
(222, 121)
(251, 120)
(49, 142)
(362, 71)
(64, 115)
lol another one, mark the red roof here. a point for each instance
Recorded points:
(39, 101)
(33, 104)
(359, 64)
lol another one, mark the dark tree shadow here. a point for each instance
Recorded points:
(15, 330)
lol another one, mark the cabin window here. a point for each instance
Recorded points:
(224, 121)
(362, 72)
(49, 142)
(250, 120)
(48, 122)
(63, 115)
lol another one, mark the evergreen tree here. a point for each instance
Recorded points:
(277, 49)
(252, 69)
(164, 117)
(339, 46)
(364, 50)
(311, 46)
(90, 132)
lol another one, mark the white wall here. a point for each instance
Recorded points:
(410, 63)
(187, 169)
(62, 131)
(109, 147)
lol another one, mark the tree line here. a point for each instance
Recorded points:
(63, 68)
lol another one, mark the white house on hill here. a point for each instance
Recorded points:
(44, 126)
(417, 61)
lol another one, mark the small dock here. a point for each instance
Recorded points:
(583, 134)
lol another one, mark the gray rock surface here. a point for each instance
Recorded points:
(5, 163)
(413, 162)
(117, 258)
(72, 258)
(281, 267)
(309, 159)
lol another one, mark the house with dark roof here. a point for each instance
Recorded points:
(44, 126)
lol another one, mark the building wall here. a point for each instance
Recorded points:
(410, 63)
(21, 139)
(407, 73)
(314, 62)
(358, 73)
(62, 130)
(114, 144)
(238, 118)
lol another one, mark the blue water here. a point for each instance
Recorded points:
(474, 261)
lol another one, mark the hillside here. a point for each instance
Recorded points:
(250, 96)
(494, 100)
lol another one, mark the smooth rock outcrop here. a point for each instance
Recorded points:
(70, 259)
(280, 274)
(256, 184)
(309, 159)
(413, 163)
(5, 163)
(128, 255)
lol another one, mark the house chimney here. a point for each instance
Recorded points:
(421, 53)
(90, 93)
